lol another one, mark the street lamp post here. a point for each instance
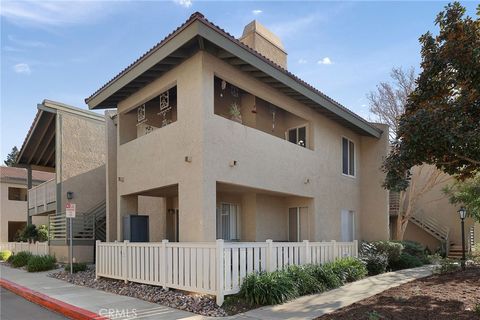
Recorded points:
(462, 212)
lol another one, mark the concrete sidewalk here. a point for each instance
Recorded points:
(307, 307)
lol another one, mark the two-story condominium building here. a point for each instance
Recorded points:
(70, 143)
(13, 200)
(234, 146)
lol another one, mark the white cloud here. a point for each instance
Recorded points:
(302, 61)
(256, 12)
(53, 13)
(27, 43)
(288, 28)
(22, 68)
(325, 60)
(184, 3)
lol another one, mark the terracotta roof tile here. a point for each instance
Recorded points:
(200, 17)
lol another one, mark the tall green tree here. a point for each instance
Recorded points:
(441, 122)
(11, 157)
(466, 193)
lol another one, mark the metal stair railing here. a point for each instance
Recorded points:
(430, 225)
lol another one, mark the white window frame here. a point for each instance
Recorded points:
(237, 221)
(352, 212)
(355, 166)
(306, 126)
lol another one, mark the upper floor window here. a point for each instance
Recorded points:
(17, 194)
(298, 136)
(348, 157)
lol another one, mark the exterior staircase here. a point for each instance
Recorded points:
(455, 252)
(99, 221)
(432, 227)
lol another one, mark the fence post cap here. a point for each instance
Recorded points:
(334, 240)
(126, 241)
(219, 240)
(164, 241)
(98, 241)
(269, 240)
(305, 241)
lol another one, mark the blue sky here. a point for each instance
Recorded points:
(64, 51)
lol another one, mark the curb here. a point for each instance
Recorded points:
(68, 310)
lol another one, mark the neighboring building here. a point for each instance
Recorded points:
(71, 143)
(435, 222)
(13, 193)
(231, 145)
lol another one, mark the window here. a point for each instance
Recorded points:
(297, 224)
(298, 136)
(348, 157)
(17, 194)
(228, 222)
(348, 225)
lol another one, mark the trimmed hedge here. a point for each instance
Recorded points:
(276, 287)
(5, 254)
(76, 267)
(407, 261)
(41, 263)
(20, 259)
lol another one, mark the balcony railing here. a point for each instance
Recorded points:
(42, 198)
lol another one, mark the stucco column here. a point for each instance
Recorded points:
(126, 205)
(29, 186)
(197, 210)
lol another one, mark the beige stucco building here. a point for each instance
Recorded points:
(435, 222)
(70, 143)
(13, 200)
(214, 138)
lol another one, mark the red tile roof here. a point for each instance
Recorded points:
(20, 173)
(200, 17)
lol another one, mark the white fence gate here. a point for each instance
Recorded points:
(216, 268)
(37, 248)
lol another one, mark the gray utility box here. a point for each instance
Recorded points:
(135, 228)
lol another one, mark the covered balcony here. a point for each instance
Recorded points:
(42, 198)
(238, 105)
(38, 153)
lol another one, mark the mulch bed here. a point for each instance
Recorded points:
(439, 297)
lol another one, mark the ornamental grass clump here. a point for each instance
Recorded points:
(20, 259)
(326, 275)
(349, 269)
(41, 263)
(267, 288)
(5, 254)
(305, 280)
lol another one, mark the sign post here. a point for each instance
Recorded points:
(70, 214)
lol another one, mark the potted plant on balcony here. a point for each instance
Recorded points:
(235, 113)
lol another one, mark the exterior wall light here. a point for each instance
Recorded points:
(188, 159)
(69, 195)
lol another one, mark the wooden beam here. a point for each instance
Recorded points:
(50, 155)
(41, 137)
(52, 136)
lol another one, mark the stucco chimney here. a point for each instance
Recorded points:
(264, 41)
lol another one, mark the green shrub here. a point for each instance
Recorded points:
(5, 255)
(41, 263)
(376, 262)
(268, 288)
(413, 248)
(392, 249)
(305, 280)
(407, 261)
(326, 275)
(447, 266)
(20, 259)
(76, 267)
(434, 258)
(349, 269)
(42, 233)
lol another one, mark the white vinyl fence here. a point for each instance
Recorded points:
(216, 268)
(37, 248)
